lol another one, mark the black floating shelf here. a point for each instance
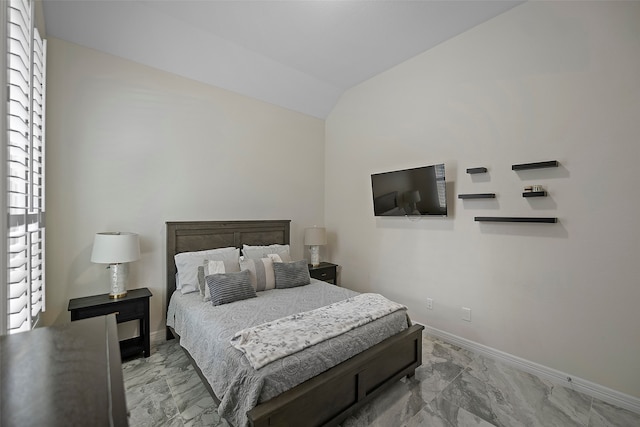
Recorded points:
(476, 170)
(534, 194)
(516, 219)
(477, 196)
(537, 165)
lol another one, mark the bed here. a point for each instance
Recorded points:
(323, 399)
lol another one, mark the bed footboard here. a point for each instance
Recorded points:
(329, 398)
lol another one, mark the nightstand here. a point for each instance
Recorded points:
(325, 271)
(134, 306)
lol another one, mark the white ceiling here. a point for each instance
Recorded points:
(301, 55)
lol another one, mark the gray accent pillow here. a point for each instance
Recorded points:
(291, 274)
(230, 287)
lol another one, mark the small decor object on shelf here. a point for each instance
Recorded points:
(116, 249)
(314, 237)
(534, 191)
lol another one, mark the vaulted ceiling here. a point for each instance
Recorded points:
(301, 55)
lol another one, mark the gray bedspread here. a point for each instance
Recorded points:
(206, 332)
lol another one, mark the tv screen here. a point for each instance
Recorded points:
(417, 191)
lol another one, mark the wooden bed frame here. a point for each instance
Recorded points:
(329, 398)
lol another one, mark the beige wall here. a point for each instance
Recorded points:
(546, 80)
(130, 147)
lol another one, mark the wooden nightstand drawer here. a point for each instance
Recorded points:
(124, 311)
(325, 271)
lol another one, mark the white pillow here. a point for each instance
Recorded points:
(259, 252)
(187, 263)
(187, 289)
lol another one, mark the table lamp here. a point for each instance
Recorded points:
(314, 237)
(116, 249)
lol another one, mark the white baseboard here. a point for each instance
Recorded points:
(589, 388)
(157, 337)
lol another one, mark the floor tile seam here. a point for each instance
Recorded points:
(175, 402)
(590, 412)
(472, 413)
(459, 374)
(440, 394)
(158, 376)
(178, 415)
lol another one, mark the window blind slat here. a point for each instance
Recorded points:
(16, 305)
(18, 125)
(14, 77)
(17, 289)
(20, 64)
(17, 275)
(18, 321)
(17, 261)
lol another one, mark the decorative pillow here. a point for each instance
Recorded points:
(187, 263)
(259, 252)
(214, 267)
(291, 274)
(229, 287)
(261, 272)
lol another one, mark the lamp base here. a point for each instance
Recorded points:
(119, 274)
(314, 250)
(116, 296)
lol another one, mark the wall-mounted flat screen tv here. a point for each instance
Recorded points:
(407, 192)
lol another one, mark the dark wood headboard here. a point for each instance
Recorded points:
(189, 236)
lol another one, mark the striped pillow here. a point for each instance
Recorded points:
(260, 272)
(214, 267)
(291, 274)
(229, 287)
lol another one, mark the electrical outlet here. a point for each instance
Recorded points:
(466, 314)
(429, 303)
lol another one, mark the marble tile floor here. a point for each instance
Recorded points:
(453, 387)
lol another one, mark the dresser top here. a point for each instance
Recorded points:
(103, 299)
(62, 375)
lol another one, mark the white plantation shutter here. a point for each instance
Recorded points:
(26, 59)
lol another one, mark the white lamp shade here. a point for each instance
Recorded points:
(315, 236)
(115, 247)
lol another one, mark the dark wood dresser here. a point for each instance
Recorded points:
(66, 375)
